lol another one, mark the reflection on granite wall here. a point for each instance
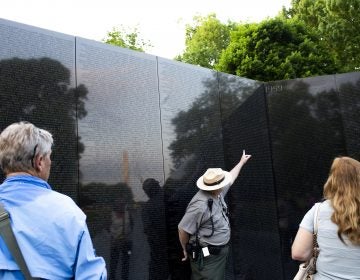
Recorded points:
(133, 132)
(349, 94)
(306, 129)
(37, 84)
(255, 234)
(122, 139)
(191, 129)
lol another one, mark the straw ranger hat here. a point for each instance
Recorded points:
(214, 179)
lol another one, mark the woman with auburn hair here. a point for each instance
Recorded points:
(338, 224)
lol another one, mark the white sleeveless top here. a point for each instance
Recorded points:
(336, 260)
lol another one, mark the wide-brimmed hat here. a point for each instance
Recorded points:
(214, 179)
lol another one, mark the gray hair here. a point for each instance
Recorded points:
(20, 143)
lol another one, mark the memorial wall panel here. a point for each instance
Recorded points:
(192, 141)
(252, 201)
(120, 130)
(37, 84)
(306, 133)
(349, 92)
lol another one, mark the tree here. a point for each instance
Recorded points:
(337, 23)
(127, 38)
(39, 91)
(276, 49)
(205, 39)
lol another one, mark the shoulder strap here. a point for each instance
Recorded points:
(317, 207)
(10, 240)
(210, 205)
(315, 249)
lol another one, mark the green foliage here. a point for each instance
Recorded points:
(275, 49)
(310, 38)
(127, 38)
(338, 23)
(205, 39)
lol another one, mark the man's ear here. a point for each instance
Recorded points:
(38, 162)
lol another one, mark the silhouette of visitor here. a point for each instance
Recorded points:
(153, 215)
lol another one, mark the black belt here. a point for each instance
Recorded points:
(194, 250)
(217, 246)
(216, 249)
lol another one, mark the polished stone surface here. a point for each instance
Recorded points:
(251, 200)
(37, 84)
(122, 147)
(192, 141)
(349, 94)
(306, 131)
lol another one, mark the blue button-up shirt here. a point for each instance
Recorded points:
(51, 232)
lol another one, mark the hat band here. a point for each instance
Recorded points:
(215, 183)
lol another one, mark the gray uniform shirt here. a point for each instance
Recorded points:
(336, 260)
(198, 213)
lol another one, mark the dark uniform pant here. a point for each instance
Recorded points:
(211, 267)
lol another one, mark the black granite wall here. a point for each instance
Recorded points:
(133, 132)
(37, 84)
(307, 124)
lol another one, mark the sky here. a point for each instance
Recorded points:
(162, 22)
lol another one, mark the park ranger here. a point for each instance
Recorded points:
(204, 231)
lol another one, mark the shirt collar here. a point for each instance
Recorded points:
(28, 179)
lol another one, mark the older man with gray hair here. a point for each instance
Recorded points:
(49, 227)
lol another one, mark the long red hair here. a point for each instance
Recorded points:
(343, 190)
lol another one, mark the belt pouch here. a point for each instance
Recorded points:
(214, 250)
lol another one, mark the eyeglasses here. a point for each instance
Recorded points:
(33, 156)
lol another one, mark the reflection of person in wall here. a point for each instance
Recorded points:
(50, 229)
(120, 230)
(204, 231)
(153, 215)
(338, 225)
